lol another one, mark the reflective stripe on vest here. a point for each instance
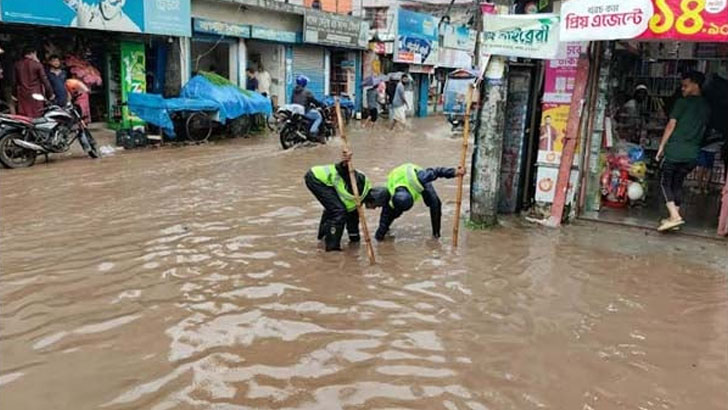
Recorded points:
(328, 175)
(405, 176)
(324, 173)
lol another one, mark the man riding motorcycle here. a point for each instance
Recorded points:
(304, 97)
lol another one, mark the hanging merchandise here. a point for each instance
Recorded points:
(83, 70)
(623, 181)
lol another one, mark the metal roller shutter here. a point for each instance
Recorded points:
(309, 61)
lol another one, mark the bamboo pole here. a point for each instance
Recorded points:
(355, 187)
(463, 157)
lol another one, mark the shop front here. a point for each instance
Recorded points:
(636, 89)
(231, 37)
(214, 47)
(532, 43)
(266, 53)
(114, 48)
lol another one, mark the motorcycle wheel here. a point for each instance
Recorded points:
(89, 144)
(288, 137)
(13, 156)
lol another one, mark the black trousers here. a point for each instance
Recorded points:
(672, 177)
(334, 217)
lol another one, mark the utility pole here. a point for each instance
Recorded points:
(488, 150)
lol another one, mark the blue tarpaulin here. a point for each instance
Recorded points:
(199, 94)
(344, 102)
(232, 101)
(156, 110)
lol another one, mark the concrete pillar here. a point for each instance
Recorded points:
(173, 72)
(240, 57)
(485, 180)
(327, 73)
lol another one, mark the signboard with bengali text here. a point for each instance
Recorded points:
(334, 30)
(683, 20)
(220, 28)
(586, 20)
(528, 36)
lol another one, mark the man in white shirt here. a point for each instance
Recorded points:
(263, 81)
(106, 15)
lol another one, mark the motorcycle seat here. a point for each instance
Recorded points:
(20, 118)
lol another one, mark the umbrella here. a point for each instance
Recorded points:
(374, 80)
(396, 76)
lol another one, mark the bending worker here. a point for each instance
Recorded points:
(407, 184)
(331, 186)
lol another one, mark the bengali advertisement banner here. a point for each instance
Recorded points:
(528, 36)
(690, 20)
(561, 73)
(417, 38)
(165, 17)
(684, 20)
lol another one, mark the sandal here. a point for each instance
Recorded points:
(669, 225)
(666, 220)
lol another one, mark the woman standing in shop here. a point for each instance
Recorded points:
(680, 145)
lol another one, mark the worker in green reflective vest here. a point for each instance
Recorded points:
(331, 186)
(407, 184)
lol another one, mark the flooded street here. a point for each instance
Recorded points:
(191, 278)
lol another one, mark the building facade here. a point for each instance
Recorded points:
(284, 39)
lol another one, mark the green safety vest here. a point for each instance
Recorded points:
(328, 175)
(405, 176)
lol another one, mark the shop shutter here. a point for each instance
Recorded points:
(309, 61)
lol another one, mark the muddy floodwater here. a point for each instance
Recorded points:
(191, 278)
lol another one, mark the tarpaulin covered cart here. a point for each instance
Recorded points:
(206, 101)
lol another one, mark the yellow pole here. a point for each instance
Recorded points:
(355, 188)
(463, 157)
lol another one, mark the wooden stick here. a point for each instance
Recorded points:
(463, 157)
(355, 187)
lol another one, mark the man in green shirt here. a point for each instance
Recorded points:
(680, 144)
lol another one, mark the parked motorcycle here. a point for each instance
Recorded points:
(295, 129)
(22, 139)
(347, 106)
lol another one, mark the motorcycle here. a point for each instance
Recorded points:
(295, 129)
(457, 121)
(347, 106)
(22, 139)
